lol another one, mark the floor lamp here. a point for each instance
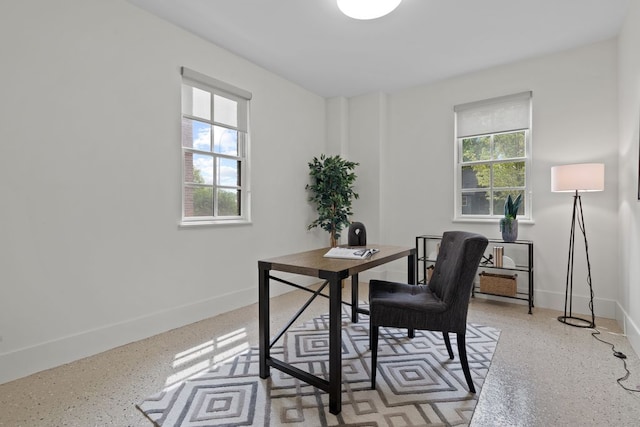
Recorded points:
(577, 178)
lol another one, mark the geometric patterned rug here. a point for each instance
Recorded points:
(417, 384)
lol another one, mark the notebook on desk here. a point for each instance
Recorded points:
(350, 253)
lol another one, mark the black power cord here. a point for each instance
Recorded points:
(620, 355)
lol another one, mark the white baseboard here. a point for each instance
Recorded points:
(29, 360)
(542, 299)
(630, 329)
(552, 300)
(555, 301)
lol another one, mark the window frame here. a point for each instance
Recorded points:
(527, 189)
(215, 88)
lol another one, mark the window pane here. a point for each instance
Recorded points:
(198, 168)
(198, 201)
(225, 141)
(475, 203)
(500, 198)
(476, 176)
(187, 133)
(228, 202)
(196, 134)
(225, 110)
(474, 149)
(201, 103)
(228, 172)
(510, 174)
(509, 145)
(188, 168)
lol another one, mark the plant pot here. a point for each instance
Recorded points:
(509, 228)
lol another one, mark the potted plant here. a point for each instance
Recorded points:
(331, 189)
(509, 223)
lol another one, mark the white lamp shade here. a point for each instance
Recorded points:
(367, 9)
(578, 177)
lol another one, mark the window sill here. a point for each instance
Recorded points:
(490, 221)
(196, 224)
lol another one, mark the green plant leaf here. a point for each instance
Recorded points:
(331, 190)
(511, 207)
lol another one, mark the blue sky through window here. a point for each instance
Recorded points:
(225, 141)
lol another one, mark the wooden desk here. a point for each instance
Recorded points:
(333, 271)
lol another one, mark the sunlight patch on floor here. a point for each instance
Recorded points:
(199, 359)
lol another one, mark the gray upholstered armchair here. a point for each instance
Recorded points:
(440, 306)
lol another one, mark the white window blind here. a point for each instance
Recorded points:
(503, 114)
(224, 93)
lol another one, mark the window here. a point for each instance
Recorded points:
(493, 146)
(215, 145)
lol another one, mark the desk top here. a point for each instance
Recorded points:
(313, 263)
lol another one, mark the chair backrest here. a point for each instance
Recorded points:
(458, 260)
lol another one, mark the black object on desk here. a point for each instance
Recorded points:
(357, 234)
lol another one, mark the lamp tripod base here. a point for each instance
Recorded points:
(576, 321)
(568, 318)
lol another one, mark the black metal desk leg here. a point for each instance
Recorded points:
(411, 278)
(335, 346)
(354, 298)
(530, 291)
(263, 319)
(530, 248)
(411, 269)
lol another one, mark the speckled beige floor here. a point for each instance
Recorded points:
(543, 373)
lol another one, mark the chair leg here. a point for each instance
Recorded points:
(447, 342)
(373, 344)
(411, 333)
(462, 352)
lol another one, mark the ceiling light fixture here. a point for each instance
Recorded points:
(367, 9)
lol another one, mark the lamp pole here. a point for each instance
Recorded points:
(568, 317)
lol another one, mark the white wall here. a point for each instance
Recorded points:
(628, 287)
(574, 120)
(363, 144)
(91, 255)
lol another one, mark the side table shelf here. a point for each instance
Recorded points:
(426, 254)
